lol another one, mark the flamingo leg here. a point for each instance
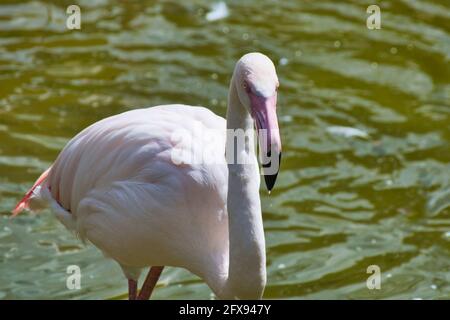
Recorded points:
(132, 289)
(150, 282)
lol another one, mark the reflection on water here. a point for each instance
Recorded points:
(365, 119)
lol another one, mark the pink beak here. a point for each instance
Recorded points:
(265, 116)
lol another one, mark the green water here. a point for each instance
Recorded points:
(342, 202)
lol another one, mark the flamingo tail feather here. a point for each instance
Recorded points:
(24, 204)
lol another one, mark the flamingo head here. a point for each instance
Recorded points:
(257, 84)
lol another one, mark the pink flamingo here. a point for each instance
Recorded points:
(117, 185)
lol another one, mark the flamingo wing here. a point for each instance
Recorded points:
(117, 185)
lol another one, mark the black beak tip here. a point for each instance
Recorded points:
(271, 178)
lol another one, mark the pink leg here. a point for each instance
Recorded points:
(150, 282)
(132, 289)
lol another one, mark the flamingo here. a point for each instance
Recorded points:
(116, 184)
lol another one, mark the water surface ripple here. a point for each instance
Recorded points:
(365, 118)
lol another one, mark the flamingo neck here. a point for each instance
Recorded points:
(247, 259)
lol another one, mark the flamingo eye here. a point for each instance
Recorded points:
(247, 87)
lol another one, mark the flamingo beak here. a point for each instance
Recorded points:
(265, 116)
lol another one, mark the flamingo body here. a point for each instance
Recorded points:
(138, 186)
(120, 189)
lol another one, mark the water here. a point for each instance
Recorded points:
(365, 118)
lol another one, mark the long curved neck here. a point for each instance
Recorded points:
(247, 257)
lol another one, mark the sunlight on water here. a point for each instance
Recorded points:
(364, 114)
